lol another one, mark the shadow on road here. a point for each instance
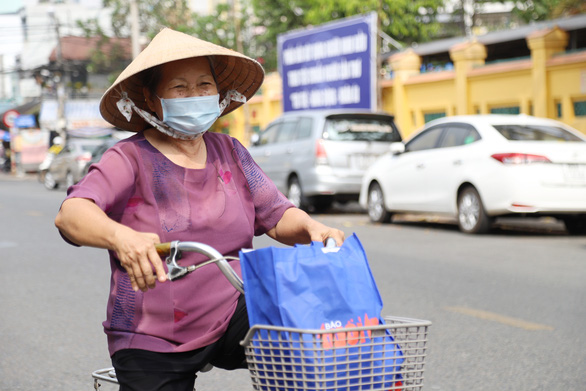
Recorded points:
(510, 226)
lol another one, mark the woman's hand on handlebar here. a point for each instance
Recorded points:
(137, 254)
(321, 233)
(296, 226)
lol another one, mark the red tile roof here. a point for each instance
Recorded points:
(80, 48)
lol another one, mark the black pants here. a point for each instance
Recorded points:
(143, 370)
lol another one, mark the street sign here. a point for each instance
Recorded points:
(9, 117)
(330, 66)
(25, 121)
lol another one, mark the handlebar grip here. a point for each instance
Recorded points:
(163, 249)
(330, 243)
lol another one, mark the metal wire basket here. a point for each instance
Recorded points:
(386, 357)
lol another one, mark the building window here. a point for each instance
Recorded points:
(431, 116)
(558, 109)
(505, 110)
(580, 108)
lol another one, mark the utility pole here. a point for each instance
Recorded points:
(468, 17)
(60, 81)
(237, 20)
(135, 29)
(1, 77)
(379, 40)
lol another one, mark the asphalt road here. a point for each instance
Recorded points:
(507, 308)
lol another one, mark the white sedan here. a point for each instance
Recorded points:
(478, 167)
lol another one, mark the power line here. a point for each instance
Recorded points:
(29, 27)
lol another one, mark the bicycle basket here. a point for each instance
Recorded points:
(343, 359)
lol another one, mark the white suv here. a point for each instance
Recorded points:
(318, 156)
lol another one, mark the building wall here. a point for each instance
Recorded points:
(429, 96)
(552, 84)
(501, 86)
(567, 86)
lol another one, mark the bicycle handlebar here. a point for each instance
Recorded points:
(172, 251)
(163, 249)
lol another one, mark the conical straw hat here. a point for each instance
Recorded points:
(232, 69)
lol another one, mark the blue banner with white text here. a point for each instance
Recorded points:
(330, 66)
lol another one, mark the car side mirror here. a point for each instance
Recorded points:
(397, 148)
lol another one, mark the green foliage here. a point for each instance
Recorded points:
(153, 15)
(102, 60)
(261, 22)
(218, 27)
(405, 20)
(537, 10)
(274, 17)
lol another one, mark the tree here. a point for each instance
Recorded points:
(536, 10)
(106, 56)
(217, 27)
(406, 21)
(153, 15)
(274, 17)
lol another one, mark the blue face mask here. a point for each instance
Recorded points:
(184, 118)
(191, 116)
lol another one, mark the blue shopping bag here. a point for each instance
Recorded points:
(312, 287)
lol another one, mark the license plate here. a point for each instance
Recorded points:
(574, 173)
(361, 161)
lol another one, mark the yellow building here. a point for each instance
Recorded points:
(538, 70)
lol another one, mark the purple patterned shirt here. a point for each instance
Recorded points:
(223, 205)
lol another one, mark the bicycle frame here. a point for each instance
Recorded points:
(410, 336)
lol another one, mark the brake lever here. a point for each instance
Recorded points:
(173, 251)
(176, 271)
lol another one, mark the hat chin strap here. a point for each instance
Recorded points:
(126, 106)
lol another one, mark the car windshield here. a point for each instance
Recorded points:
(535, 133)
(360, 128)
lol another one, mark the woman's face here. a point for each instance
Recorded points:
(182, 79)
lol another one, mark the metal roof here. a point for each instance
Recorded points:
(443, 45)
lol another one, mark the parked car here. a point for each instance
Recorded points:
(479, 167)
(97, 153)
(316, 157)
(67, 166)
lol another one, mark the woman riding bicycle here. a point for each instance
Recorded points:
(175, 181)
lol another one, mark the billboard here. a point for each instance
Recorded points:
(330, 66)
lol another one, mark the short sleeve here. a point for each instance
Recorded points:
(269, 202)
(110, 181)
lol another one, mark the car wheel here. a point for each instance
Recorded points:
(376, 205)
(575, 225)
(472, 218)
(69, 181)
(294, 193)
(49, 181)
(321, 203)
